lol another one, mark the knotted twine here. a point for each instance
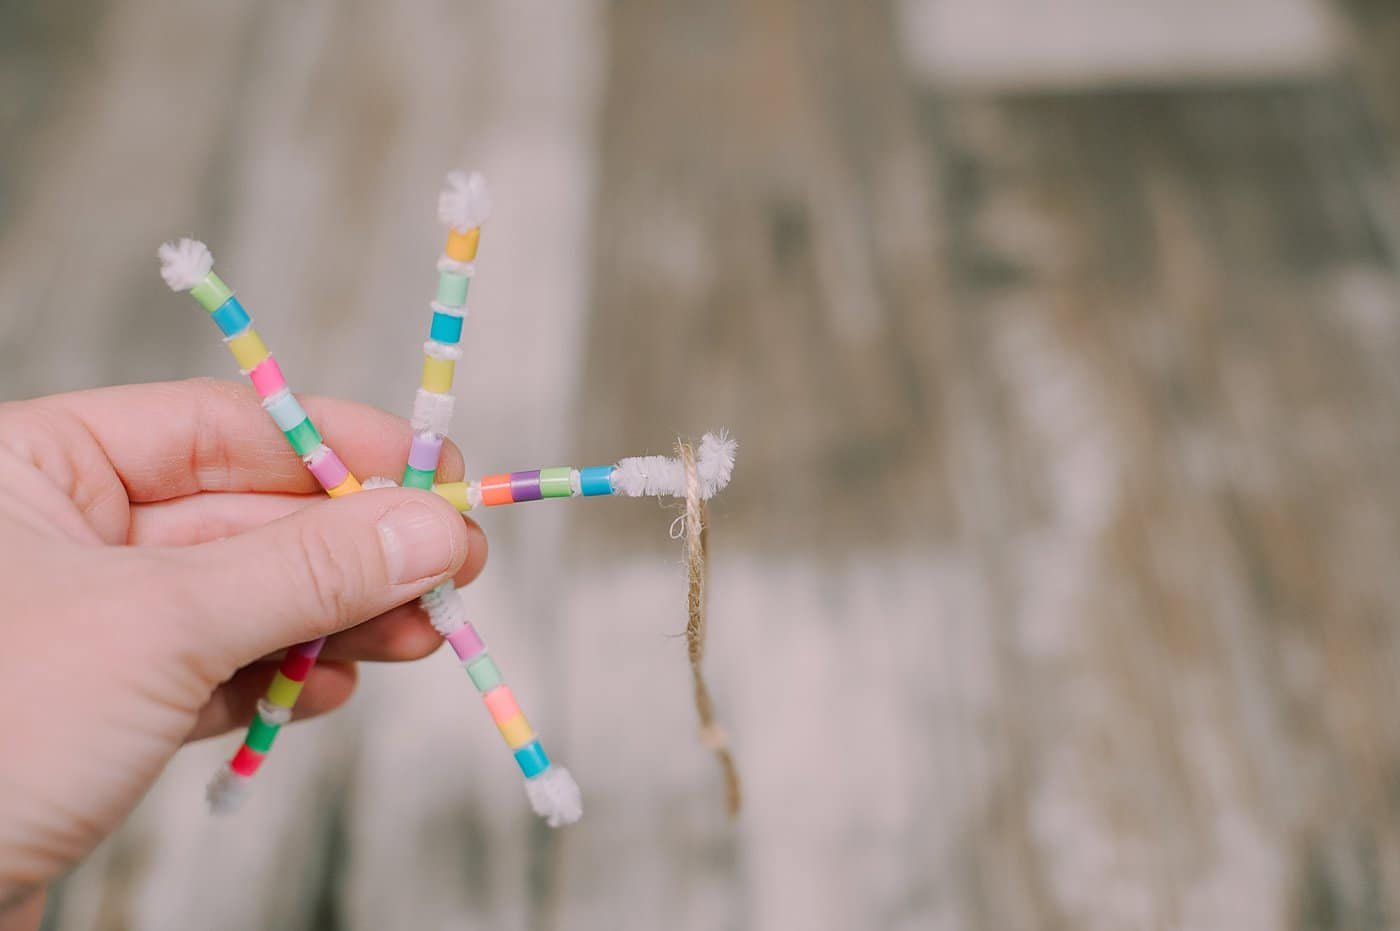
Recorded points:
(712, 736)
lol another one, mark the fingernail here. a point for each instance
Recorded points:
(418, 542)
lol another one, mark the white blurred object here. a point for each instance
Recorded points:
(1029, 44)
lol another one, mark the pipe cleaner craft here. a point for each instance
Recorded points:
(695, 475)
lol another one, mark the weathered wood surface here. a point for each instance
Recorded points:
(1055, 588)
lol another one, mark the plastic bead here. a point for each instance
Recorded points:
(417, 478)
(247, 348)
(501, 702)
(285, 410)
(424, 451)
(326, 466)
(554, 482)
(525, 486)
(211, 292)
(283, 691)
(596, 480)
(455, 493)
(267, 378)
(485, 675)
(296, 666)
(231, 318)
(347, 487)
(261, 734)
(446, 328)
(304, 437)
(452, 289)
(466, 643)
(516, 731)
(532, 759)
(461, 246)
(246, 761)
(496, 489)
(437, 374)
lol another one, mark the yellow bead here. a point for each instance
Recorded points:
(455, 493)
(461, 247)
(517, 731)
(283, 692)
(437, 375)
(347, 487)
(248, 349)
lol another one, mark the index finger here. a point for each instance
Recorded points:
(170, 439)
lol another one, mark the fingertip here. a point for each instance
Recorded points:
(451, 464)
(329, 685)
(477, 550)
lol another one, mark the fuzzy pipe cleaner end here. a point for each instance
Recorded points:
(665, 475)
(185, 263)
(465, 202)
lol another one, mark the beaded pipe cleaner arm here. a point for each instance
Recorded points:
(463, 206)
(187, 265)
(635, 477)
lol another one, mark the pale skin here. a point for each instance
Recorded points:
(159, 545)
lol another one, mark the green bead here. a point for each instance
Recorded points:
(452, 289)
(417, 478)
(261, 734)
(304, 437)
(211, 292)
(485, 675)
(554, 482)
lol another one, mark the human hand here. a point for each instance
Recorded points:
(158, 544)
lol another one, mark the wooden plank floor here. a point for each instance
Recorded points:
(1055, 586)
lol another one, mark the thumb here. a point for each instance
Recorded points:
(327, 567)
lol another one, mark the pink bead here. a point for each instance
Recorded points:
(466, 642)
(500, 701)
(328, 469)
(267, 377)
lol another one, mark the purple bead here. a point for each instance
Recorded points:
(525, 486)
(466, 642)
(424, 452)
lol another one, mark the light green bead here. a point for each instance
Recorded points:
(485, 675)
(211, 292)
(452, 289)
(554, 482)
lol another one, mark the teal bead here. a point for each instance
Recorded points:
(532, 759)
(304, 437)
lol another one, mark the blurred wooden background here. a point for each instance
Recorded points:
(1056, 586)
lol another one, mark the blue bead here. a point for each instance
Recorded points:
(285, 410)
(447, 328)
(231, 318)
(532, 759)
(596, 480)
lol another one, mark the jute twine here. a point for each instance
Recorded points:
(712, 736)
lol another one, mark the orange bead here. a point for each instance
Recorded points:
(461, 247)
(495, 489)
